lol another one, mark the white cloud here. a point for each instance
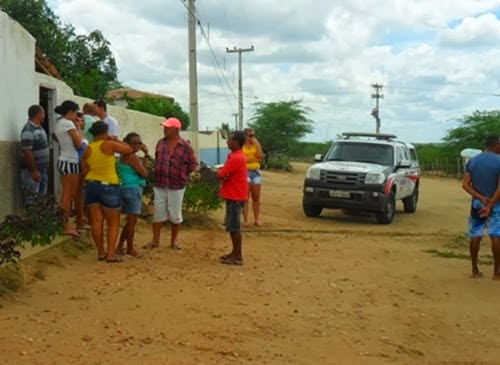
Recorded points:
(435, 59)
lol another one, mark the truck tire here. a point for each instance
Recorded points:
(312, 210)
(410, 203)
(387, 216)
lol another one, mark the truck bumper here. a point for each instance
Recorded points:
(368, 201)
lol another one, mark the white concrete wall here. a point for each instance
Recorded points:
(17, 94)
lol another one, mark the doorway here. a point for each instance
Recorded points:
(47, 99)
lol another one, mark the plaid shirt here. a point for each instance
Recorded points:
(172, 172)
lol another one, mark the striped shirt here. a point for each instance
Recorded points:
(34, 138)
(172, 171)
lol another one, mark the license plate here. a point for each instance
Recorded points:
(340, 194)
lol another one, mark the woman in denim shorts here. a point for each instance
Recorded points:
(133, 175)
(102, 189)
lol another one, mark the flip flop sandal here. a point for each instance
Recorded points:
(175, 247)
(116, 260)
(102, 258)
(150, 245)
(74, 234)
(231, 261)
(225, 257)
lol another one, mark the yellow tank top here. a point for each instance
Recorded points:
(102, 167)
(251, 152)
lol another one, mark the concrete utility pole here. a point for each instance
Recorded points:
(240, 83)
(376, 111)
(193, 77)
(235, 115)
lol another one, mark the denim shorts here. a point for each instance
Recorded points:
(254, 177)
(131, 200)
(108, 196)
(477, 224)
(233, 215)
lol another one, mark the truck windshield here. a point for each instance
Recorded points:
(362, 152)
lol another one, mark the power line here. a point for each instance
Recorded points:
(436, 90)
(205, 35)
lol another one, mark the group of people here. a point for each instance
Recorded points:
(103, 177)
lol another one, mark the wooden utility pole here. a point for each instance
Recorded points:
(240, 82)
(376, 111)
(193, 77)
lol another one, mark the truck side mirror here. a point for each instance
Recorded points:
(318, 158)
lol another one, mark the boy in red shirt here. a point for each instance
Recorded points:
(234, 190)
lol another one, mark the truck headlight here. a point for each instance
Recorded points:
(374, 178)
(313, 173)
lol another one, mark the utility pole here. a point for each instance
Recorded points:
(193, 77)
(235, 115)
(376, 111)
(240, 83)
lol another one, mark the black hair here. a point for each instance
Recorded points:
(239, 136)
(80, 115)
(34, 110)
(101, 104)
(66, 107)
(98, 128)
(129, 136)
(492, 141)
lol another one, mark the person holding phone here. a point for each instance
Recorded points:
(253, 153)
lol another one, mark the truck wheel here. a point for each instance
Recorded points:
(312, 210)
(410, 203)
(387, 216)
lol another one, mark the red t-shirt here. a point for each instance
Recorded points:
(234, 176)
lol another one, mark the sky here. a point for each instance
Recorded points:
(437, 60)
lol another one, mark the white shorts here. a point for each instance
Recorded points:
(168, 205)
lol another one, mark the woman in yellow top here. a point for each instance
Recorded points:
(102, 188)
(253, 153)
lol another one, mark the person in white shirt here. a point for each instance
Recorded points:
(102, 114)
(68, 164)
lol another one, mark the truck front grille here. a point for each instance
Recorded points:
(342, 178)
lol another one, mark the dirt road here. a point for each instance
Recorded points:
(329, 290)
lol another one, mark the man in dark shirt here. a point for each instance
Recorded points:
(482, 182)
(174, 161)
(35, 157)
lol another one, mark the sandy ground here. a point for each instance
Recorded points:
(328, 290)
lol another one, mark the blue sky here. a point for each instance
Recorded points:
(437, 60)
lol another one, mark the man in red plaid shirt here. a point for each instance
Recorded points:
(174, 161)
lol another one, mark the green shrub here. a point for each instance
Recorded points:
(278, 162)
(202, 190)
(41, 223)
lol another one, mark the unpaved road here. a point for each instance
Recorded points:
(331, 290)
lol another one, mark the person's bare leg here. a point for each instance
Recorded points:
(155, 242)
(69, 185)
(236, 241)
(121, 241)
(131, 222)
(246, 208)
(174, 232)
(79, 206)
(112, 217)
(97, 228)
(474, 245)
(495, 249)
(255, 192)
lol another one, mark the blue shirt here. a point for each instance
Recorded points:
(485, 172)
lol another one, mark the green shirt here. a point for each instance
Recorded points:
(89, 120)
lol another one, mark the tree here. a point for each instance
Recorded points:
(85, 62)
(472, 131)
(162, 107)
(280, 125)
(225, 130)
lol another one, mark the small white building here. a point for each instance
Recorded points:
(21, 86)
